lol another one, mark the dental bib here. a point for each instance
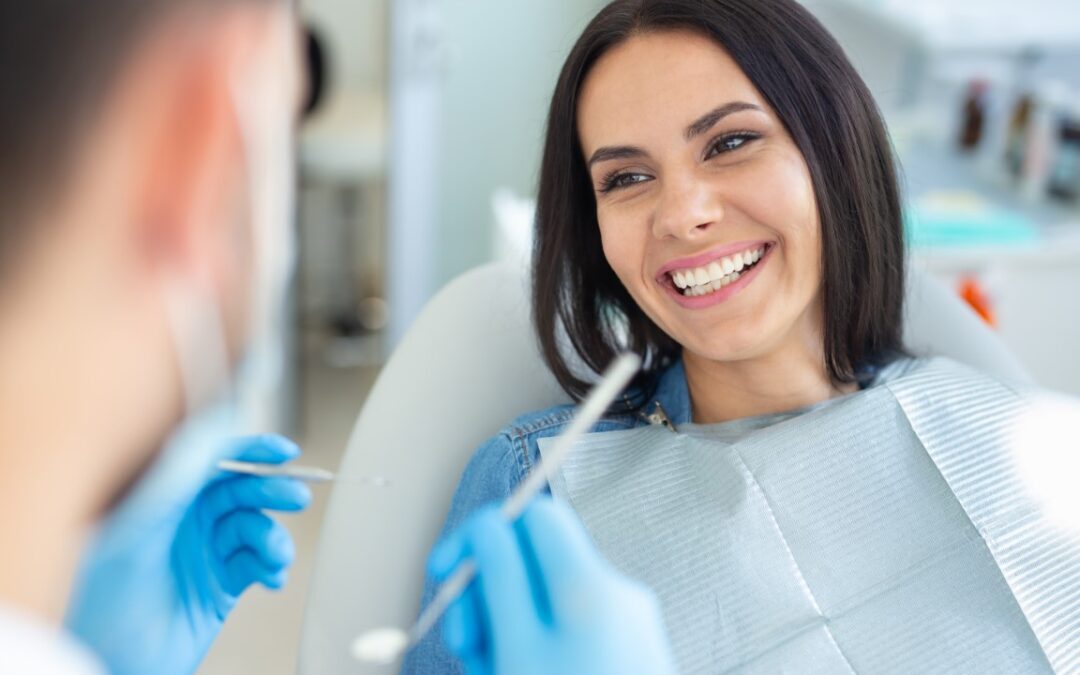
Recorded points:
(889, 531)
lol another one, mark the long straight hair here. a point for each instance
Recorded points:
(826, 108)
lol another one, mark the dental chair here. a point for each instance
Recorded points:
(467, 367)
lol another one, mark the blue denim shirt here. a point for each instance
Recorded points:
(503, 462)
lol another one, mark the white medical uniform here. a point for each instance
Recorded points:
(28, 646)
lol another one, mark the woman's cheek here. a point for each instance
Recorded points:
(778, 194)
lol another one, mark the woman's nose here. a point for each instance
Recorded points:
(688, 209)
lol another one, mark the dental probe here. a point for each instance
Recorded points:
(384, 645)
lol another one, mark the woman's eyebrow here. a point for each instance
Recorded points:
(696, 128)
(706, 121)
(615, 152)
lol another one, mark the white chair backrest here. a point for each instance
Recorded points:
(466, 368)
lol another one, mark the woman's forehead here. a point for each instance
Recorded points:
(655, 84)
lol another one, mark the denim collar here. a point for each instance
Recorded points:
(673, 395)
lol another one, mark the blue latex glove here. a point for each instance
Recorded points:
(157, 607)
(544, 601)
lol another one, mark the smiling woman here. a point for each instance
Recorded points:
(692, 199)
(706, 126)
(718, 194)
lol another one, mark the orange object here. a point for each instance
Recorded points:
(975, 295)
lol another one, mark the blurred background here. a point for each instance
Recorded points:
(419, 161)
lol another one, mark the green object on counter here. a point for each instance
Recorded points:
(951, 219)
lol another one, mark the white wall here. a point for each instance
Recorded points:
(504, 57)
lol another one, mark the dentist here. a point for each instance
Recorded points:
(145, 182)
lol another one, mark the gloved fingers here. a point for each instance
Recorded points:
(256, 532)
(505, 589)
(562, 546)
(464, 627)
(567, 561)
(448, 554)
(464, 624)
(276, 493)
(263, 448)
(479, 665)
(275, 581)
(244, 568)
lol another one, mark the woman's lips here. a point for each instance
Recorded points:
(718, 253)
(726, 291)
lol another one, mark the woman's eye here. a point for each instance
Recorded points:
(730, 142)
(621, 180)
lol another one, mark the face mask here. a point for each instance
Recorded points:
(162, 494)
(219, 406)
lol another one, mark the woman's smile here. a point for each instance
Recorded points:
(713, 277)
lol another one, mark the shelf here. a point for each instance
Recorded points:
(975, 25)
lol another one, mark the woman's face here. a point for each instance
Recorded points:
(706, 208)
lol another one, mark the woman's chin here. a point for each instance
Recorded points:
(726, 352)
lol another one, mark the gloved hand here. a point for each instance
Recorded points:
(544, 601)
(157, 607)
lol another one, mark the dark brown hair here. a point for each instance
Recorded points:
(57, 61)
(805, 77)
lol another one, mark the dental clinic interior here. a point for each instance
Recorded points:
(418, 166)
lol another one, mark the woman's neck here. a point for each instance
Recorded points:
(786, 379)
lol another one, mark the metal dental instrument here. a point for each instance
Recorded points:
(384, 645)
(308, 474)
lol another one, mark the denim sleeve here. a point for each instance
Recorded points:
(491, 475)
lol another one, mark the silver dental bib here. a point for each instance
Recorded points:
(884, 532)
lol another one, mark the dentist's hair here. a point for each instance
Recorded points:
(58, 59)
(805, 77)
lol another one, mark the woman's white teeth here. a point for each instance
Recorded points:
(715, 275)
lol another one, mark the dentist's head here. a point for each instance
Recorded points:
(145, 185)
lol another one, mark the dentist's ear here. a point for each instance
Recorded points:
(192, 196)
